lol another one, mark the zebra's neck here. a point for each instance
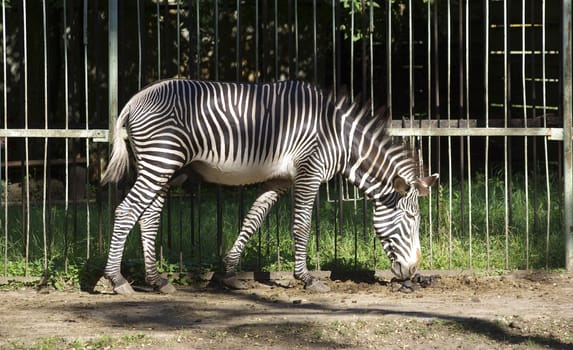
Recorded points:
(372, 160)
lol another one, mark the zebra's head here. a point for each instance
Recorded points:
(397, 223)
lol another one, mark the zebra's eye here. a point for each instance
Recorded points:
(411, 213)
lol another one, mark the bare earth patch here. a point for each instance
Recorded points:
(522, 311)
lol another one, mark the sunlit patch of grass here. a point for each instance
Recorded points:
(101, 342)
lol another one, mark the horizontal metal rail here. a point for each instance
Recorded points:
(102, 135)
(551, 133)
(98, 135)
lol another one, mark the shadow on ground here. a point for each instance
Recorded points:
(293, 322)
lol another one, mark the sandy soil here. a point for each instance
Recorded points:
(523, 311)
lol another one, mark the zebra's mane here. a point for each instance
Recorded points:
(373, 123)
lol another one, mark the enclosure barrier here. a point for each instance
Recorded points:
(481, 89)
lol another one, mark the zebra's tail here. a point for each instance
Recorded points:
(119, 160)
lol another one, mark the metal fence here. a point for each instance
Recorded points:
(482, 88)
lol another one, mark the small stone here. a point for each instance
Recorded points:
(515, 325)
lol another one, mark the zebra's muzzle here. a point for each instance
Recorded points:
(403, 271)
(405, 267)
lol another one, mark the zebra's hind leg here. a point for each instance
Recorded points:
(149, 223)
(251, 222)
(125, 217)
(127, 213)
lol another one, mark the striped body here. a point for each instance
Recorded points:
(280, 134)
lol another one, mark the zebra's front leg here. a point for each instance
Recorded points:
(304, 196)
(251, 223)
(149, 224)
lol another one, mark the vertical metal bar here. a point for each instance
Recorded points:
(257, 41)
(486, 107)
(429, 111)
(335, 62)
(181, 205)
(388, 86)
(338, 233)
(26, 140)
(365, 228)
(169, 213)
(363, 56)
(98, 107)
(468, 146)
(436, 104)
(178, 33)
(199, 212)
(534, 72)
(505, 138)
(198, 38)
(67, 143)
(219, 191)
(87, 125)
(371, 48)
(276, 39)
(139, 44)
(296, 43)
(5, 143)
(158, 25)
(389, 57)
(238, 45)
(449, 106)
(189, 65)
(277, 232)
(525, 145)
(314, 44)
(112, 73)
(113, 63)
(567, 97)
(290, 40)
(410, 68)
(460, 114)
(192, 195)
(220, 218)
(216, 43)
(545, 141)
(45, 166)
(351, 90)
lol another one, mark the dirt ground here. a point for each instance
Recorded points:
(460, 311)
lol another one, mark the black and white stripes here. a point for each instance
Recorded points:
(282, 134)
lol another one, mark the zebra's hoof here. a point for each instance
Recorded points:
(233, 282)
(124, 289)
(167, 288)
(315, 285)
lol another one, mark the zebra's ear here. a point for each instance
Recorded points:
(423, 184)
(400, 185)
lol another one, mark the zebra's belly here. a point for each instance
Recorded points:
(233, 174)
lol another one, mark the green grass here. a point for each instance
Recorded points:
(352, 246)
(524, 242)
(102, 342)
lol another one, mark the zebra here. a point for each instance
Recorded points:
(284, 135)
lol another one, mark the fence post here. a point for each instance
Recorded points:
(112, 77)
(113, 86)
(567, 132)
